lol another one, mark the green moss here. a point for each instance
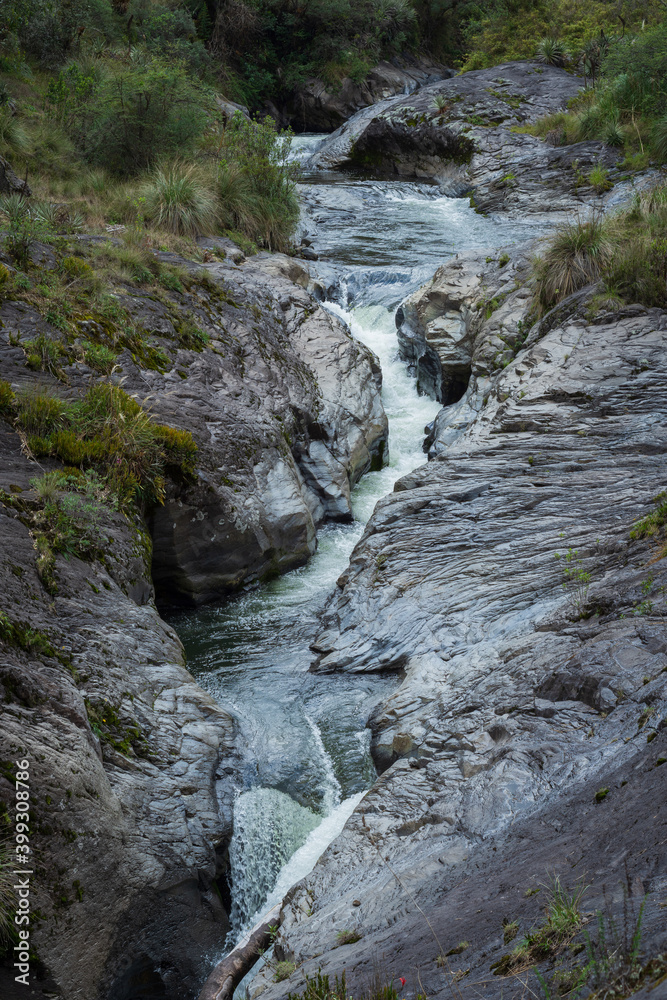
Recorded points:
(109, 432)
(107, 724)
(37, 643)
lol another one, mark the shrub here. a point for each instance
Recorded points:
(140, 114)
(177, 200)
(52, 149)
(48, 29)
(552, 52)
(256, 183)
(171, 33)
(575, 257)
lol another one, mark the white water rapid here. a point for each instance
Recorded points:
(304, 735)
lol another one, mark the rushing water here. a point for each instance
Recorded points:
(304, 735)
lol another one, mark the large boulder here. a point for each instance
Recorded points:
(284, 405)
(319, 107)
(458, 133)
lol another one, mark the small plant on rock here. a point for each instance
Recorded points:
(283, 970)
(347, 937)
(598, 178)
(552, 52)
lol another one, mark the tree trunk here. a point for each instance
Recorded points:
(228, 973)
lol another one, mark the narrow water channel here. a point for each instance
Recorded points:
(304, 736)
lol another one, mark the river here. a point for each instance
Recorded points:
(304, 735)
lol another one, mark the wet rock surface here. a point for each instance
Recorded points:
(502, 583)
(318, 107)
(458, 132)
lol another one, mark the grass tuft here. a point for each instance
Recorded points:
(177, 200)
(575, 257)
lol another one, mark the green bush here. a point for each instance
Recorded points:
(256, 183)
(141, 113)
(49, 29)
(172, 33)
(628, 107)
(274, 46)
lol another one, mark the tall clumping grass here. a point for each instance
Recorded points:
(176, 199)
(576, 256)
(626, 251)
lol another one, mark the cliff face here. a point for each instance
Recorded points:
(516, 585)
(133, 768)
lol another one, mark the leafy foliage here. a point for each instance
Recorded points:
(256, 183)
(49, 29)
(140, 113)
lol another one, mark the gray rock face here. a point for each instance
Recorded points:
(317, 107)
(502, 581)
(286, 411)
(284, 405)
(466, 143)
(130, 830)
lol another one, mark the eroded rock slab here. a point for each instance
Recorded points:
(503, 583)
(458, 132)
